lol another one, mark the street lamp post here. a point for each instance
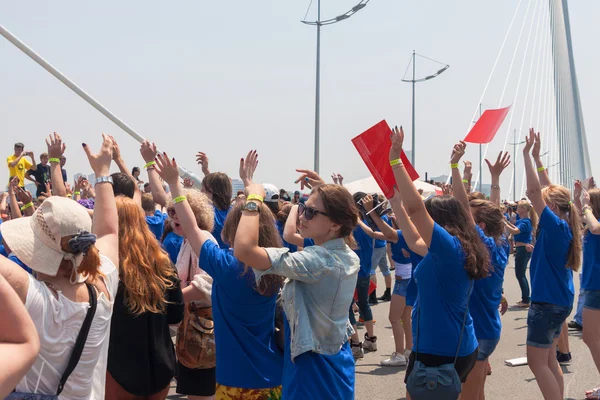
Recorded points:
(414, 80)
(515, 144)
(318, 23)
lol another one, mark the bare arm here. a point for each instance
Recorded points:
(370, 232)
(588, 215)
(191, 293)
(149, 154)
(105, 221)
(458, 187)
(56, 149)
(410, 233)
(33, 163)
(502, 162)
(19, 341)
(15, 211)
(467, 176)
(137, 195)
(387, 233)
(535, 152)
(413, 203)
(534, 188)
(512, 229)
(3, 202)
(290, 231)
(14, 163)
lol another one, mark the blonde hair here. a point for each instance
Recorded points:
(560, 197)
(532, 214)
(145, 270)
(201, 207)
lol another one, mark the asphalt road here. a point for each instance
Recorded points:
(374, 382)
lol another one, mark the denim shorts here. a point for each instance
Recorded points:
(486, 348)
(544, 323)
(592, 299)
(400, 287)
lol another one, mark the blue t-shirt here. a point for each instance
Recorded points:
(247, 356)
(14, 259)
(443, 285)
(525, 227)
(551, 279)
(308, 243)
(172, 245)
(382, 243)
(3, 251)
(293, 248)
(317, 376)
(411, 290)
(220, 217)
(364, 251)
(156, 223)
(590, 275)
(487, 292)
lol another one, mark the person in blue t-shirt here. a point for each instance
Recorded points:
(282, 217)
(556, 255)
(590, 280)
(523, 231)
(217, 186)
(442, 326)
(487, 293)
(154, 218)
(249, 364)
(405, 293)
(171, 242)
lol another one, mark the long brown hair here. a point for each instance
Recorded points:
(341, 209)
(219, 185)
(490, 214)
(595, 201)
(560, 196)
(145, 270)
(447, 212)
(533, 217)
(268, 236)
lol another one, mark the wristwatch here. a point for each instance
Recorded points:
(252, 206)
(103, 179)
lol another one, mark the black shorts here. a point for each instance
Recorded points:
(463, 365)
(196, 382)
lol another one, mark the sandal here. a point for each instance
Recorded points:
(593, 394)
(522, 305)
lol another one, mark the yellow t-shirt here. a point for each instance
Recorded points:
(18, 170)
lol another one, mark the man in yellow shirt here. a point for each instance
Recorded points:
(18, 164)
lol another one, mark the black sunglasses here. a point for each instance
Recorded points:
(309, 212)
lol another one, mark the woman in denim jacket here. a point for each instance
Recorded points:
(318, 362)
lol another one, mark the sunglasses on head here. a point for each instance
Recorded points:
(171, 212)
(309, 212)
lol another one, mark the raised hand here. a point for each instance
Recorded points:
(248, 166)
(56, 147)
(23, 195)
(577, 189)
(457, 152)
(188, 183)
(367, 202)
(529, 142)
(340, 178)
(592, 184)
(100, 162)
(468, 167)
(79, 184)
(13, 184)
(48, 192)
(502, 162)
(202, 160)
(397, 142)
(148, 151)
(116, 154)
(309, 179)
(335, 178)
(585, 200)
(167, 169)
(255, 188)
(537, 145)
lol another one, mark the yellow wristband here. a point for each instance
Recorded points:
(254, 197)
(57, 160)
(151, 163)
(541, 169)
(395, 162)
(76, 193)
(179, 199)
(454, 166)
(26, 206)
(465, 181)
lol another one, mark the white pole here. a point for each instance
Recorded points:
(71, 85)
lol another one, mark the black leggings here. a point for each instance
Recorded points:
(463, 365)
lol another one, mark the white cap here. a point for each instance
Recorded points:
(271, 193)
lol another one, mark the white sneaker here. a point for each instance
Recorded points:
(370, 343)
(357, 350)
(396, 360)
(407, 353)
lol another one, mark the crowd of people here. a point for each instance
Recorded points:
(112, 288)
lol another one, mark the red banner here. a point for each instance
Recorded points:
(486, 127)
(373, 145)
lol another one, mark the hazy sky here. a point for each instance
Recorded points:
(228, 76)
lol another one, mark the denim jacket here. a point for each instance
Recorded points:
(317, 295)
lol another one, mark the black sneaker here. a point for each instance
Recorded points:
(387, 296)
(574, 325)
(563, 358)
(373, 298)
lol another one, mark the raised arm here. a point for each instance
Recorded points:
(56, 149)
(535, 152)
(502, 162)
(168, 170)
(202, 160)
(149, 154)
(19, 341)
(410, 233)
(106, 221)
(290, 231)
(15, 211)
(387, 233)
(577, 191)
(14, 162)
(370, 232)
(467, 176)
(512, 229)
(413, 203)
(118, 159)
(458, 187)
(534, 188)
(26, 199)
(3, 203)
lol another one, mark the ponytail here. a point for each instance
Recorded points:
(574, 221)
(90, 265)
(534, 219)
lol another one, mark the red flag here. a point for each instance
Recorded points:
(373, 145)
(486, 127)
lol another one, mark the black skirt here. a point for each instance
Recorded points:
(196, 382)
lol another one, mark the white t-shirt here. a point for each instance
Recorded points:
(58, 322)
(403, 270)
